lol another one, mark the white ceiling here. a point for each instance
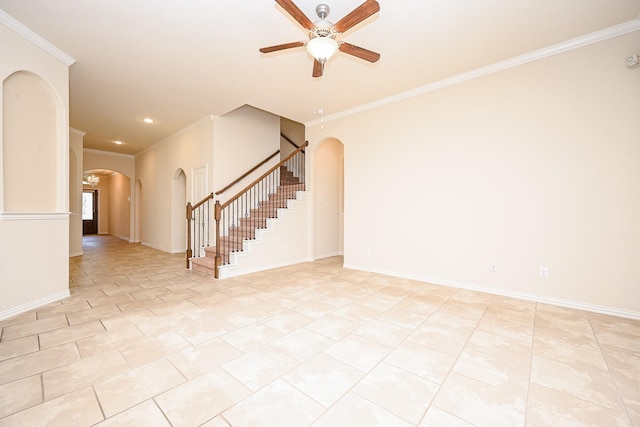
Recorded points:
(177, 61)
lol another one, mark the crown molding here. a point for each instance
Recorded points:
(568, 45)
(34, 38)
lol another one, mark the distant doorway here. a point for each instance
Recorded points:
(90, 212)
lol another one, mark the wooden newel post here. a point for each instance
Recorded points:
(217, 215)
(189, 250)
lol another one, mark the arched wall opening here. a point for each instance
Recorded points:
(138, 216)
(328, 193)
(30, 137)
(113, 202)
(178, 207)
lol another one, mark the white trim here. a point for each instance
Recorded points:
(612, 311)
(33, 304)
(568, 45)
(158, 248)
(33, 216)
(76, 131)
(34, 38)
(108, 153)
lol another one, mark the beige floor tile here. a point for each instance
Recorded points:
(324, 379)
(19, 395)
(146, 414)
(436, 417)
(575, 331)
(398, 341)
(33, 327)
(218, 421)
(436, 333)
(287, 321)
(504, 371)
(260, 367)
(28, 316)
(18, 347)
(127, 319)
(250, 337)
(205, 357)
(315, 309)
(198, 331)
(201, 398)
(277, 404)
(154, 348)
(398, 391)
(478, 403)
(93, 314)
(58, 309)
(109, 340)
(83, 373)
(70, 334)
(583, 382)
(404, 317)
(423, 361)
(334, 327)
(358, 352)
(76, 409)
(384, 333)
(506, 325)
(302, 344)
(136, 385)
(499, 345)
(357, 313)
(38, 362)
(353, 410)
(548, 407)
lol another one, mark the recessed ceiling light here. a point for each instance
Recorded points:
(118, 142)
(148, 120)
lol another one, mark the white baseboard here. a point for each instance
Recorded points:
(152, 246)
(612, 311)
(317, 257)
(33, 304)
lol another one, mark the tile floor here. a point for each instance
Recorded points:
(144, 342)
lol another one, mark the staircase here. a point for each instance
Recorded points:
(233, 238)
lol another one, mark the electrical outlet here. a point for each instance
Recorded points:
(493, 267)
(544, 272)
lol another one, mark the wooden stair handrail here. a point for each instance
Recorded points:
(244, 175)
(264, 175)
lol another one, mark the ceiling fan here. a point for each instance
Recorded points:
(322, 42)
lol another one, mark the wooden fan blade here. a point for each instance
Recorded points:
(317, 68)
(358, 51)
(281, 47)
(296, 13)
(357, 15)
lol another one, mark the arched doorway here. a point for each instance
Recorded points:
(178, 220)
(138, 221)
(329, 199)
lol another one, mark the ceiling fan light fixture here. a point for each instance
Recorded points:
(322, 48)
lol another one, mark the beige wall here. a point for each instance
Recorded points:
(123, 164)
(328, 184)
(243, 138)
(34, 239)
(119, 209)
(189, 149)
(76, 138)
(535, 166)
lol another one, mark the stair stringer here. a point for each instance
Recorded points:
(285, 241)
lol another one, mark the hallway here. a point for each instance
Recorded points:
(142, 341)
